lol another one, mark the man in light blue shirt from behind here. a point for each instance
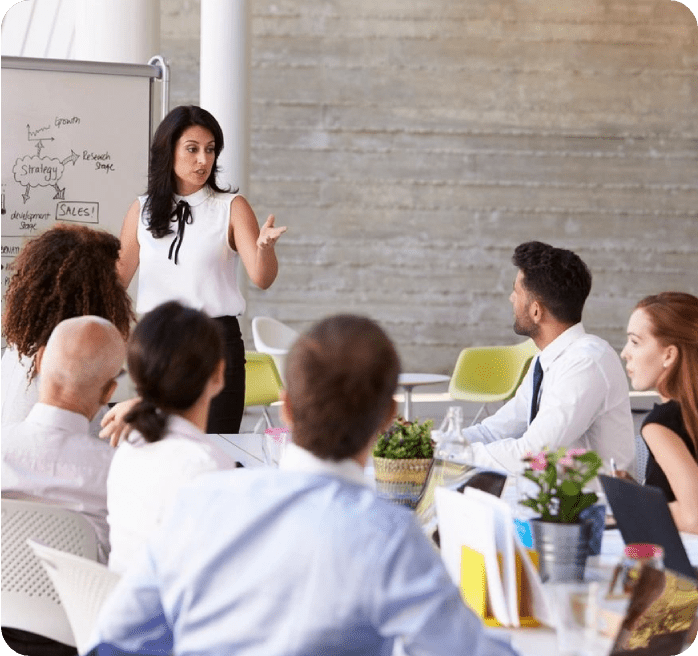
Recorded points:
(303, 560)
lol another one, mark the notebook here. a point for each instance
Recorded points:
(643, 515)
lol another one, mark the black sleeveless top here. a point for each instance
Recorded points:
(668, 415)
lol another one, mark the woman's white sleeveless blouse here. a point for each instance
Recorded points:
(205, 276)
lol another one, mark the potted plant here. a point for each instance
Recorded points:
(561, 537)
(402, 457)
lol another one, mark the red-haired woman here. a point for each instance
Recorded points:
(662, 354)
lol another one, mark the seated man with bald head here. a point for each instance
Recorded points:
(51, 456)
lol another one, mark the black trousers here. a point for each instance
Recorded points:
(226, 410)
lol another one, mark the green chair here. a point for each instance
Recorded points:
(488, 374)
(262, 383)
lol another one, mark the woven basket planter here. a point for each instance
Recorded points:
(401, 480)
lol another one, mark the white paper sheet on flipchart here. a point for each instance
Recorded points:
(464, 522)
(504, 545)
(539, 600)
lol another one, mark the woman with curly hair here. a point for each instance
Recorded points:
(68, 271)
(187, 234)
(662, 354)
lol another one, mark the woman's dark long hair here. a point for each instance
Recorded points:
(162, 182)
(172, 354)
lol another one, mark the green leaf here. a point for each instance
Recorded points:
(531, 476)
(570, 489)
(550, 476)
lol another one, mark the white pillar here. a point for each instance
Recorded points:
(124, 31)
(224, 90)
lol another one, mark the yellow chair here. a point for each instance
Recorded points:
(262, 383)
(487, 374)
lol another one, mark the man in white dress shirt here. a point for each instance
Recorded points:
(575, 393)
(305, 560)
(51, 456)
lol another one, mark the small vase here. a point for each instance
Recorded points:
(401, 481)
(562, 549)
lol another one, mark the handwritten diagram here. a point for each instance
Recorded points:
(36, 171)
(41, 168)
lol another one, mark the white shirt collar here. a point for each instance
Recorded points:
(196, 198)
(176, 425)
(182, 426)
(553, 350)
(55, 417)
(296, 458)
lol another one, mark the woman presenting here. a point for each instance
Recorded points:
(187, 233)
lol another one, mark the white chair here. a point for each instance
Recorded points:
(29, 599)
(82, 585)
(275, 338)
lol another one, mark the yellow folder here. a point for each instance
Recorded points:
(473, 589)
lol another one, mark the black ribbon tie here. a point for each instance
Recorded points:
(182, 215)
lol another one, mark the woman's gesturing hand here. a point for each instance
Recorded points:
(269, 234)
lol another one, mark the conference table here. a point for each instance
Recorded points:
(247, 449)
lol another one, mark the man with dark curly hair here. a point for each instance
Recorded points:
(575, 393)
(68, 271)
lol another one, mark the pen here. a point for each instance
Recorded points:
(613, 467)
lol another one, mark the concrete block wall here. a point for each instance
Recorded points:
(410, 146)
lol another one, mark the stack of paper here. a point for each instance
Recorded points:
(483, 523)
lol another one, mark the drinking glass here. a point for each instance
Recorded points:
(273, 445)
(575, 604)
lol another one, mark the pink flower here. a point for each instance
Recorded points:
(539, 462)
(576, 452)
(566, 461)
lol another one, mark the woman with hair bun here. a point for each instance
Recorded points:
(187, 234)
(175, 357)
(662, 353)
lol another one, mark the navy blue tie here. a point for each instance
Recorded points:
(537, 379)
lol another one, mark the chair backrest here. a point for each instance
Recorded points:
(641, 457)
(29, 599)
(272, 336)
(275, 338)
(491, 373)
(262, 381)
(82, 585)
